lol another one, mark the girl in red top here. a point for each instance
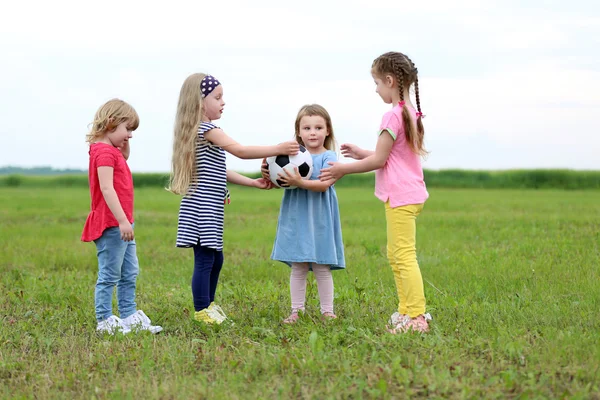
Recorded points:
(110, 222)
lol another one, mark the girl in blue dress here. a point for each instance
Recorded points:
(309, 233)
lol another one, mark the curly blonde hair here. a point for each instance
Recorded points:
(109, 116)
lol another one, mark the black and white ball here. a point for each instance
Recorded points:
(302, 161)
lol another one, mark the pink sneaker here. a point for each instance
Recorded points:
(292, 319)
(417, 324)
(329, 315)
(396, 322)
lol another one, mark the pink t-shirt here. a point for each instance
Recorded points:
(401, 179)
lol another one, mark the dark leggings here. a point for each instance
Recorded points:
(207, 267)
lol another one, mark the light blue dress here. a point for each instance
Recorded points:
(309, 228)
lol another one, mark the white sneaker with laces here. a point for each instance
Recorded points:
(139, 321)
(111, 325)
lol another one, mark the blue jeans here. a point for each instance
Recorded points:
(207, 267)
(117, 265)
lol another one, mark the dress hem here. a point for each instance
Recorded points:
(331, 266)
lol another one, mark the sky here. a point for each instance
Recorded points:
(503, 84)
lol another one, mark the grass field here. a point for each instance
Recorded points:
(511, 279)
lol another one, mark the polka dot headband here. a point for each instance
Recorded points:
(208, 84)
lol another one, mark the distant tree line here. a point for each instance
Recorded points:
(510, 179)
(37, 171)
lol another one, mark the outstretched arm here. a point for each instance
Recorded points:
(219, 138)
(353, 151)
(370, 163)
(239, 179)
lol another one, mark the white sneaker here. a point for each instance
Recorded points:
(111, 325)
(216, 313)
(138, 321)
(218, 310)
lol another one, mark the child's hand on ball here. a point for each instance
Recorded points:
(264, 169)
(290, 178)
(291, 148)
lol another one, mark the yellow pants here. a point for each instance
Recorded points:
(402, 255)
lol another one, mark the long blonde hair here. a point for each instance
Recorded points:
(185, 135)
(311, 110)
(405, 72)
(109, 116)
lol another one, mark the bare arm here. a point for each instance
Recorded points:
(105, 177)
(315, 186)
(294, 179)
(368, 153)
(370, 163)
(353, 151)
(219, 138)
(239, 179)
(376, 159)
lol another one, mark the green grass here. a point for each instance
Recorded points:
(511, 279)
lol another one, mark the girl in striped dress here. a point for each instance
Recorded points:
(199, 174)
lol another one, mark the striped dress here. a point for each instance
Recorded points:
(201, 212)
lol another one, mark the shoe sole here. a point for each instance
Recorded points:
(395, 331)
(206, 322)
(112, 331)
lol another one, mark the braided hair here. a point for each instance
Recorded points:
(405, 73)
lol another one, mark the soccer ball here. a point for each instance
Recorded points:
(302, 161)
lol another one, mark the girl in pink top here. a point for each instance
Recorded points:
(398, 182)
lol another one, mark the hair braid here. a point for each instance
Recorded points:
(419, 139)
(406, 120)
(417, 95)
(415, 73)
(399, 77)
(405, 72)
(420, 128)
